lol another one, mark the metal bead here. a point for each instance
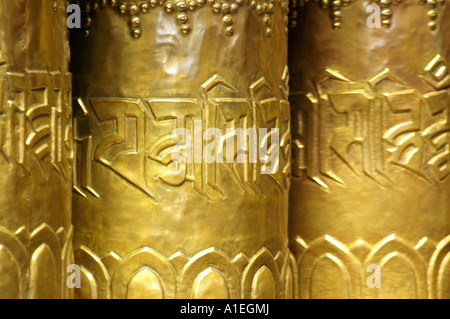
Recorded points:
(432, 25)
(217, 7)
(386, 13)
(135, 22)
(123, 8)
(336, 25)
(336, 4)
(336, 15)
(192, 5)
(432, 14)
(136, 33)
(386, 23)
(145, 7)
(229, 31)
(86, 21)
(259, 9)
(227, 20)
(324, 4)
(181, 6)
(168, 7)
(133, 9)
(185, 29)
(225, 8)
(182, 18)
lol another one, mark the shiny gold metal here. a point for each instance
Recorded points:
(371, 182)
(144, 226)
(35, 150)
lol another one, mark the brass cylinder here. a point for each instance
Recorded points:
(370, 189)
(145, 225)
(35, 150)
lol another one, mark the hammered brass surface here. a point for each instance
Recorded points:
(144, 226)
(369, 114)
(370, 175)
(35, 150)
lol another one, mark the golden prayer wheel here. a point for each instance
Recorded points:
(149, 226)
(370, 190)
(35, 150)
